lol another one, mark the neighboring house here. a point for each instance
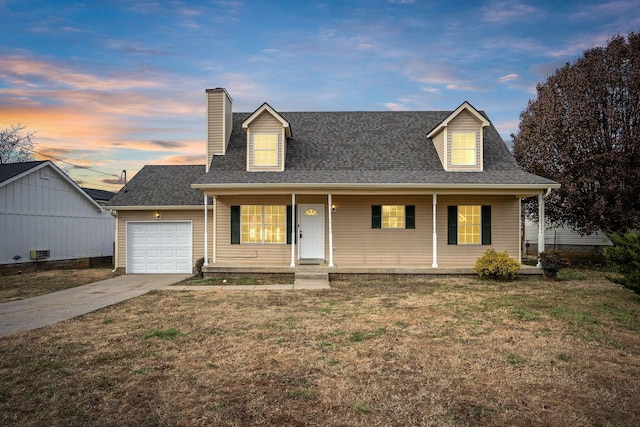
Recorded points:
(342, 189)
(100, 196)
(46, 216)
(563, 239)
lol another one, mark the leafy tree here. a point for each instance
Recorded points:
(16, 145)
(583, 131)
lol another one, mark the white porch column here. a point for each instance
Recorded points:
(330, 203)
(215, 229)
(540, 227)
(435, 234)
(293, 229)
(206, 231)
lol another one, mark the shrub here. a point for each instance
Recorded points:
(624, 255)
(199, 264)
(496, 265)
(551, 262)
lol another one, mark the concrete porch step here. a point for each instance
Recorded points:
(309, 279)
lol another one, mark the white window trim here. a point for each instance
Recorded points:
(479, 225)
(404, 217)
(475, 149)
(254, 150)
(262, 227)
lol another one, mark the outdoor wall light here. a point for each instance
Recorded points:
(157, 215)
(333, 208)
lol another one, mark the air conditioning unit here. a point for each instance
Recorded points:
(39, 254)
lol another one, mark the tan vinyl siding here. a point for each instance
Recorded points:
(267, 124)
(248, 253)
(465, 122)
(357, 244)
(215, 124)
(196, 216)
(505, 229)
(438, 142)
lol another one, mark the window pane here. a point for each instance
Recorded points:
(469, 225)
(265, 150)
(251, 224)
(275, 224)
(393, 216)
(463, 149)
(263, 224)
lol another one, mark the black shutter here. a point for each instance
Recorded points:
(452, 225)
(289, 223)
(486, 225)
(410, 217)
(235, 225)
(376, 216)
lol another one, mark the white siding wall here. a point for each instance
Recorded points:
(43, 211)
(562, 236)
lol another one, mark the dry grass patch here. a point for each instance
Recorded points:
(19, 286)
(421, 352)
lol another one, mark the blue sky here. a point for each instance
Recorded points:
(114, 85)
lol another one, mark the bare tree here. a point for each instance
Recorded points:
(583, 130)
(16, 145)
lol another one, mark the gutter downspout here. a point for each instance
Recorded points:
(541, 222)
(115, 245)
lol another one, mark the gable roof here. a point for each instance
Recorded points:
(465, 106)
(387, 148)
(274, 113)
(10, 172)
(168, 185)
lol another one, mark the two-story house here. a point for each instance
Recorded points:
(429, 189)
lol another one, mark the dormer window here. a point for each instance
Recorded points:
(458, 139)
(265, 149)
(267, 135)
(463, 149)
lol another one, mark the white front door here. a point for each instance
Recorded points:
(311, 231)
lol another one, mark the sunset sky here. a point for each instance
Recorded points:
(114, 85)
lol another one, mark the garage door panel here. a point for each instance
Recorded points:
(159, 247)
(168, 240)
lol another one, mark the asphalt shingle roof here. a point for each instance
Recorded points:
(9, 170)
(384, 147)
(333, 148)
(99, 195)
(166, 185)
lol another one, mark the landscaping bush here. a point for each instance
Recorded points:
(624, 255)
(551, 262)
(199, 264)
(496, 265)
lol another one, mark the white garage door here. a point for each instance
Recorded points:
(159, 247)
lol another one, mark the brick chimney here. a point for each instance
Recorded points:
(219, 122)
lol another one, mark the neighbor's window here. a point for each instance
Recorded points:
(469, 225)
(463, 149)
(265, 149)
(263, 224)
(393, 216)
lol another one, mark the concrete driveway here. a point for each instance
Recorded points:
(36, 312)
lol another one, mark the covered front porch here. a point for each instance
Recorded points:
(347, 232)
